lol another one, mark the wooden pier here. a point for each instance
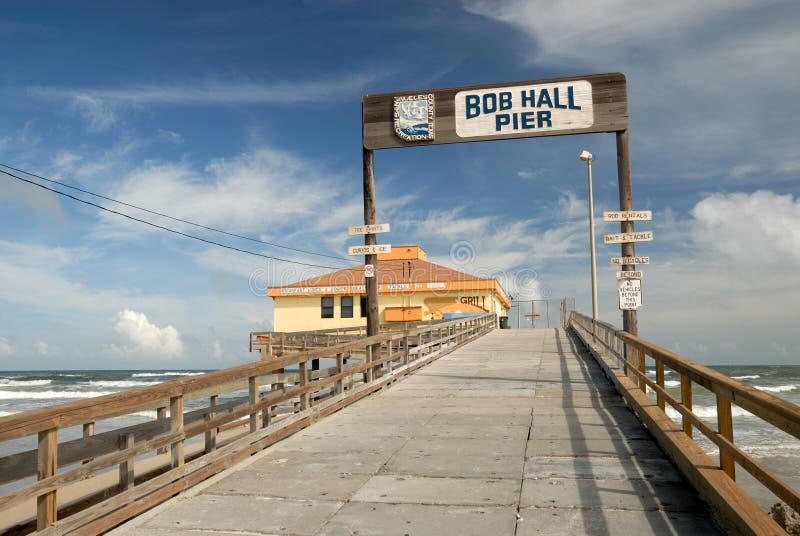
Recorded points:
(518, 432)
(453, 427)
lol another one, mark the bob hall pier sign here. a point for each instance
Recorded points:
(578, 105)
(553, 107)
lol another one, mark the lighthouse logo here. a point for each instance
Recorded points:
(414, 117)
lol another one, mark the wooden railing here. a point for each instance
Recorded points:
(65, 498)
(276, 343)
(626, 359)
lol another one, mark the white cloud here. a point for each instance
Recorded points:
(753, 230)
(98, 113)
(42, 348)
(100, 107)
(6, 349)
(216, 350)
(706, 80)
(147, 336)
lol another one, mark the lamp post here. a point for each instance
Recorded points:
(586, 156)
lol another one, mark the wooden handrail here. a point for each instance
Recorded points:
(772, 409)
(312, 393)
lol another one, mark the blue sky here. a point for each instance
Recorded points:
(246, 116)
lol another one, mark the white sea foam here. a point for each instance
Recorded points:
(24, 383)
(672, 383)
(121, 383)
(153, 374)
(28, 395)
(6, 413)
(706, 412)
(747, 377)
(150, 414)
(776, 388)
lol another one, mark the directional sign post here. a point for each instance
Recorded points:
(630, 260)
(630, 294)
(368, 229)
(621, 238)
(369, 250)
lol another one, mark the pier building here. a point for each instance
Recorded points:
(410, 287)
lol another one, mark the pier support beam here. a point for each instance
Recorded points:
(630, 322)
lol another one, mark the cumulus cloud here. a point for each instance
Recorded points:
(147, 336)
(6, 349)
(750, 228)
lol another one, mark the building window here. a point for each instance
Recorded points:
(327, 307)
(363, 306)
(347, 307)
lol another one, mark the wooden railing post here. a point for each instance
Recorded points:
(339, 370)
(88, 431)
(176, 425)
(47, 462)
(252, 392)
(686, 401)
(389, 364)
(368, 359)
(405, 350)
(126, 476)
(660, 382)
(304, 398)
(161, 414)
(725, 424)
(642, 369)
(211, 435)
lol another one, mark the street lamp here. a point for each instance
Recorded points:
(586, 156)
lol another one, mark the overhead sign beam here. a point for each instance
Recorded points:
(552, 107)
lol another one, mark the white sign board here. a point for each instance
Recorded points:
(369, 250)
(621, 238)
(630, 260)
(630, 294)
(368, 229)
(522, 109)
(631, 274)
(628, 215)
(369, 270)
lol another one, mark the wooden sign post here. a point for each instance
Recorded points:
(553, 107)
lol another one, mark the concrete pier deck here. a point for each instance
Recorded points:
(518, 433)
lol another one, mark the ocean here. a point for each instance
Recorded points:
(26, 390)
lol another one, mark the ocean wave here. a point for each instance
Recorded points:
(672, 383)
(121, 383)
(6, 413)
(24, 383)
(747, 377)
(153, 374)
(23, 395)
(150, 414)
(776, 388)
(706, 412)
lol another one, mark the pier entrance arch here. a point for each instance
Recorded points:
(552, 107)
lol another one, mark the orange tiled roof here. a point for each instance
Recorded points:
(390, 272)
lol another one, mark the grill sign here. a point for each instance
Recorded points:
(521, 109)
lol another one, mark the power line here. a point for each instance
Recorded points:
(214, 229)
(163, 228)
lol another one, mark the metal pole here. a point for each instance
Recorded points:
(591, 239)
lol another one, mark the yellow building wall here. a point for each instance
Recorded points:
(304, 313)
